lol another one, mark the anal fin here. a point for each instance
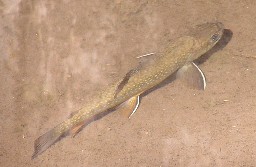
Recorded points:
(129, 107)
(192, 75)
(76, 129)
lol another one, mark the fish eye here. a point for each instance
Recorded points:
(215, 37)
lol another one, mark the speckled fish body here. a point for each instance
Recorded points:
(177, 54)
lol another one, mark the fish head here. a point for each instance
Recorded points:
(205, 37)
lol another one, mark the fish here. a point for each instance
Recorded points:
(177, 57)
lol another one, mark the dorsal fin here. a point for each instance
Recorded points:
(146, 59)
(124, 81)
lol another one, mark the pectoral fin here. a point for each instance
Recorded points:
(145, 55)
(192, 75)
(149, 58)
(129, 107)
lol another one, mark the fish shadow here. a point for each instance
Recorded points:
(222, 43)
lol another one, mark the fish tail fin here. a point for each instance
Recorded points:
(46, 140)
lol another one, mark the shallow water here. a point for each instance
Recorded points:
(55, 55)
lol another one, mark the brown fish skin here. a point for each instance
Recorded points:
(177, 54)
